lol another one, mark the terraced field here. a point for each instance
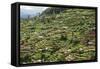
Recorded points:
(52, 37)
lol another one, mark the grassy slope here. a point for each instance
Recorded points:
(59, 37)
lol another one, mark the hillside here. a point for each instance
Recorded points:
(53, 10)
(64, 35)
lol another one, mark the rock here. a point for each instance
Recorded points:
(69, 58)
(65, 27)
(80, 49)
(90, 43)
(46, 48)
(40, 36)
(35, 33)
(69, 50)
(39, 60)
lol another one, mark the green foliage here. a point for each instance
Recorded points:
(66, 35)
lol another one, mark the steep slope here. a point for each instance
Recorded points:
(67, 35)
